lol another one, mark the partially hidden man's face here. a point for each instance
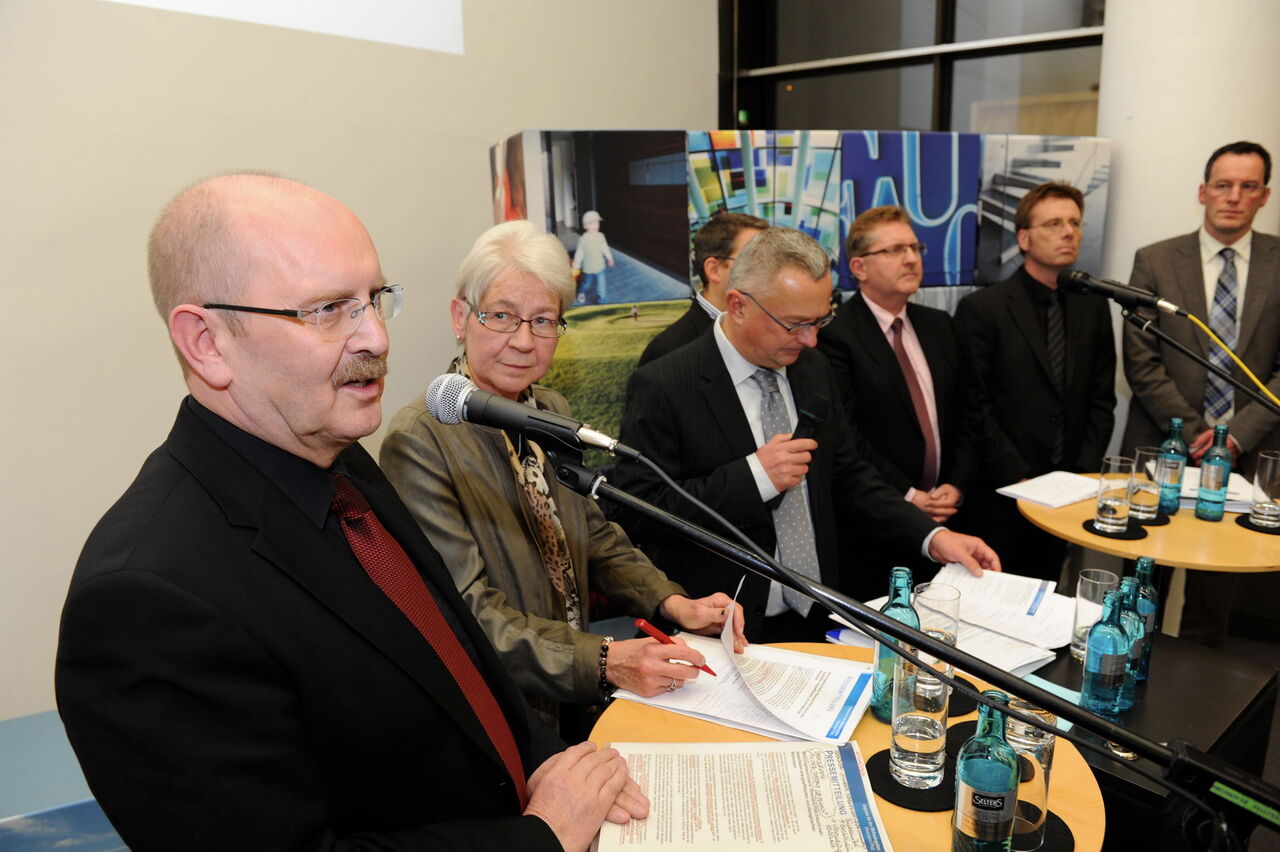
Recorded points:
(309, 396)
(1053, 238)
(793, 297)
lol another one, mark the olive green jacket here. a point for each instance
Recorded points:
(458, 482)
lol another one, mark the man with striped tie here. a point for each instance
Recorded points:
(1228, 275)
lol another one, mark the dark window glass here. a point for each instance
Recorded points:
(1051, 92)
(778, 32)
(878, 99)
(978, 19)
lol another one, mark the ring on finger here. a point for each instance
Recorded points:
(671, 687)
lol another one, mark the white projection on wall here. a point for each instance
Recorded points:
(428, 24)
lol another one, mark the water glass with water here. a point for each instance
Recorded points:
(918, 747)
(938, 606)
(1091, 590)
(1266, 491)
(1113, 494)
(1036, 747)
(1144, 497)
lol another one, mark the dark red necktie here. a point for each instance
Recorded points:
(929, 468)
(390, 567)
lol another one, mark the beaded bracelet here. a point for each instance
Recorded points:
(605, 687)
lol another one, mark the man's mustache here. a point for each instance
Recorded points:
(361, 368)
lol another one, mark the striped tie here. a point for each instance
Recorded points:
(791, 522)
(1056, 344)
(1219, 396)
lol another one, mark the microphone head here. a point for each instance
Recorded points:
(446, 395)
(1074, 280)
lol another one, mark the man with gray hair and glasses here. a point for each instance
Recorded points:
(1228, 275)
(748, 419)
(260, 649)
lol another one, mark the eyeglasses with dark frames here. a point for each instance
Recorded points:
(336, 319)
(798, 328)
(896, 252)
(506, 322)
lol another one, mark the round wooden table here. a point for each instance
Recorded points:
(1186, 542)
(1073, 792)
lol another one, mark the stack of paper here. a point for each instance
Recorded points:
(1006, 620)
(1239, 491)
(1054, 489)
(732, 796)
(770, 691)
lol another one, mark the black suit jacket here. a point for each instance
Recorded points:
(683, 413)
(877, 400)
(689, 327)
(230, 678)
(1007, 365)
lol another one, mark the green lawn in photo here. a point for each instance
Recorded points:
(596, 356)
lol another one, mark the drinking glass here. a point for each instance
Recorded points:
(1036, 747)
(918, 747)
(1113, 494)
(938, 606)
(1144, 498)
(1092, 587)
(1266, 491)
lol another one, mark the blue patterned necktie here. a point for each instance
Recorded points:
(791, 523)
(1218, 393)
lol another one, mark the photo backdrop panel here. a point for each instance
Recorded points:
(935, 177)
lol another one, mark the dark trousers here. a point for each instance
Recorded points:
(790, 626)
(1206, 612)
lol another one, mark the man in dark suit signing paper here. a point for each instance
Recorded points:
(259, 649)
(718, 415)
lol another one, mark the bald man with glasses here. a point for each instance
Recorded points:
(748, 419)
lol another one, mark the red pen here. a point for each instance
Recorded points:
(655, 633)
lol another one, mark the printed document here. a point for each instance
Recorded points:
(1054, 489)
(770, 691)
(778, 796)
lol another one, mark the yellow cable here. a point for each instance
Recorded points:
(1266, 390)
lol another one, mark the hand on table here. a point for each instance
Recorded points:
(575, 791)
(971, 552)
(641, 665)
(706, 616)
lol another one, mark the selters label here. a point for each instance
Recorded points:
(983, 815)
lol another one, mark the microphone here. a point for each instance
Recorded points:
(1079, 281)
(453, 399)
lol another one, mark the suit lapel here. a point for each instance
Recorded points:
(1189, 274)
(1028, 325)
(868, 335)
(939, 367)
(721, 397)
(295, 546)
(1264, 271)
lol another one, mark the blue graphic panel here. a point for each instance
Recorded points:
(935, 177)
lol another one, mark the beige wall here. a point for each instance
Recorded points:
(107, 110)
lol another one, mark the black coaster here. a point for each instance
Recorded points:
(1243, 520)
(940, 798)
(1160, 520)
(1133, 533)
(957, 734)
(1057, 835)
(961, 704)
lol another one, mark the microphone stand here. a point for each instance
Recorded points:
(1248, 800)
(1149, 325)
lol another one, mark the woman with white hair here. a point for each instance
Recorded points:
(525, 551)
